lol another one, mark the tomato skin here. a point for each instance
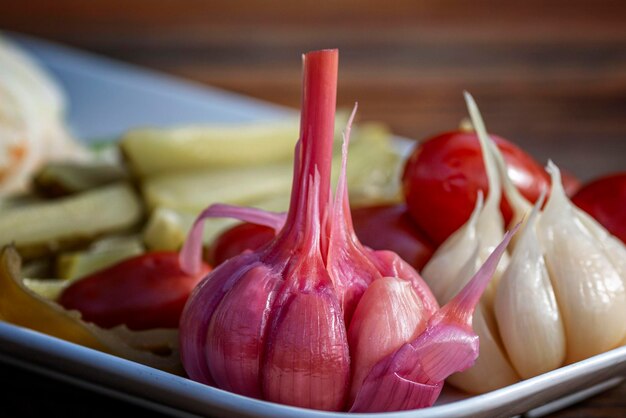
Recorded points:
(605, 200)
(234, 241)
(571, 184)
(443, 175)
(390, 227)
(387, 227)
(143, 292)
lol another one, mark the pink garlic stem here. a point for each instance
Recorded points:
(317, 127)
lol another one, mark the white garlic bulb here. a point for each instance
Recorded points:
(562, 295)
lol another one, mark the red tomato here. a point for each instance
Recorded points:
(571, 184)
(391, 228)
(234, 241)
(443, 175)
(378, 227)
(605, 200)
(143, 292)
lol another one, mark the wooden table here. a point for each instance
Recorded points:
(549, 75)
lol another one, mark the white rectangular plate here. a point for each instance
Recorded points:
(106, 98)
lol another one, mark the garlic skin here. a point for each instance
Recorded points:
(589, 290)
(526, 310)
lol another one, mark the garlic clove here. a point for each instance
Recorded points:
(195, 318)
(237, 331)
(388, 315)
(612, 246)
(389, 264)
(528, 317)
(307, 362)
(589, 291)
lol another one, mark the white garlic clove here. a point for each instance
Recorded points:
(589, 290)
(613, 247)
(490, 224)
(528, 317)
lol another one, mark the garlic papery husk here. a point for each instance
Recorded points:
(528, 316)
(589, 290)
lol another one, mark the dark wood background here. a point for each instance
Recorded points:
(550, 75)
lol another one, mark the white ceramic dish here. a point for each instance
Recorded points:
(106, 98)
